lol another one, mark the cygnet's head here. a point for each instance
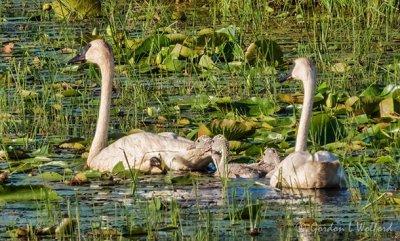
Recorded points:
(97, 52)
(271, 156)
(302, 69)
(220, 145)
(203, 142)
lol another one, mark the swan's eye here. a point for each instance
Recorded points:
(86, 48)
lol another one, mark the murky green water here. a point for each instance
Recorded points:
(201, 208)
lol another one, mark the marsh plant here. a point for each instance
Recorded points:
(198, 67)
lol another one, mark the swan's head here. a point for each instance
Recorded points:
(96, 52)
(302, 69)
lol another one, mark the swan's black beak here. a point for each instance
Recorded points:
(80, 58)
(77, 59)
(287, 75)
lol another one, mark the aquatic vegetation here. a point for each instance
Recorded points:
(191, 68)
(74, 9)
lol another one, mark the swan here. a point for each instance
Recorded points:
(301, 169)
(220, 156)
(143, 151)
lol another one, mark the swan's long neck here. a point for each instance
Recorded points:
(302, 132)
(223, 167)
(101, 135)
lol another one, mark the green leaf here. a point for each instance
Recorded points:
(44, 150)
(231, 129)
(16, 193)
(94, 174)
(181, 51)
(372, 90)
(264, 50)
(257, 106)
(49, 176)
(391, 91)
(74, 9)
(179, 180)
(70, 93)
(172, 64)
(326, 129)
(206, 62)
(176, 37)
(118, 168)
(150, 46)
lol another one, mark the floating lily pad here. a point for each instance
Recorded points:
(118, 168)
(151, 46)
(206, 63)
(181, 51)
(257, 106)
(70, 93)
(28, 94)
(172, 64)
(50, 176)
(264, 50)
(231, 129)
(79, 179)
(16, 193)
(179, 180)
(340, 68)
(75, 146)
(74, 9)
(203, 130)
(238, 146)
(176, 38)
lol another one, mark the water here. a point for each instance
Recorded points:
(198, 209)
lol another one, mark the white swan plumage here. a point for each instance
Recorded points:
(301, 169)
(137, 151)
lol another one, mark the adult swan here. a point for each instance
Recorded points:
(302, 169)
(145, 151)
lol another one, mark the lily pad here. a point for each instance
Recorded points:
(238, 146)
(172, 64)
(151, 45)
(264, 50)
(72, 145)
(74, 9)
(179, 180)
(176, 38)
(16, 193)
(50, 176)
(28, 94)
(231, 129)
(181, 51)
(206, 63)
